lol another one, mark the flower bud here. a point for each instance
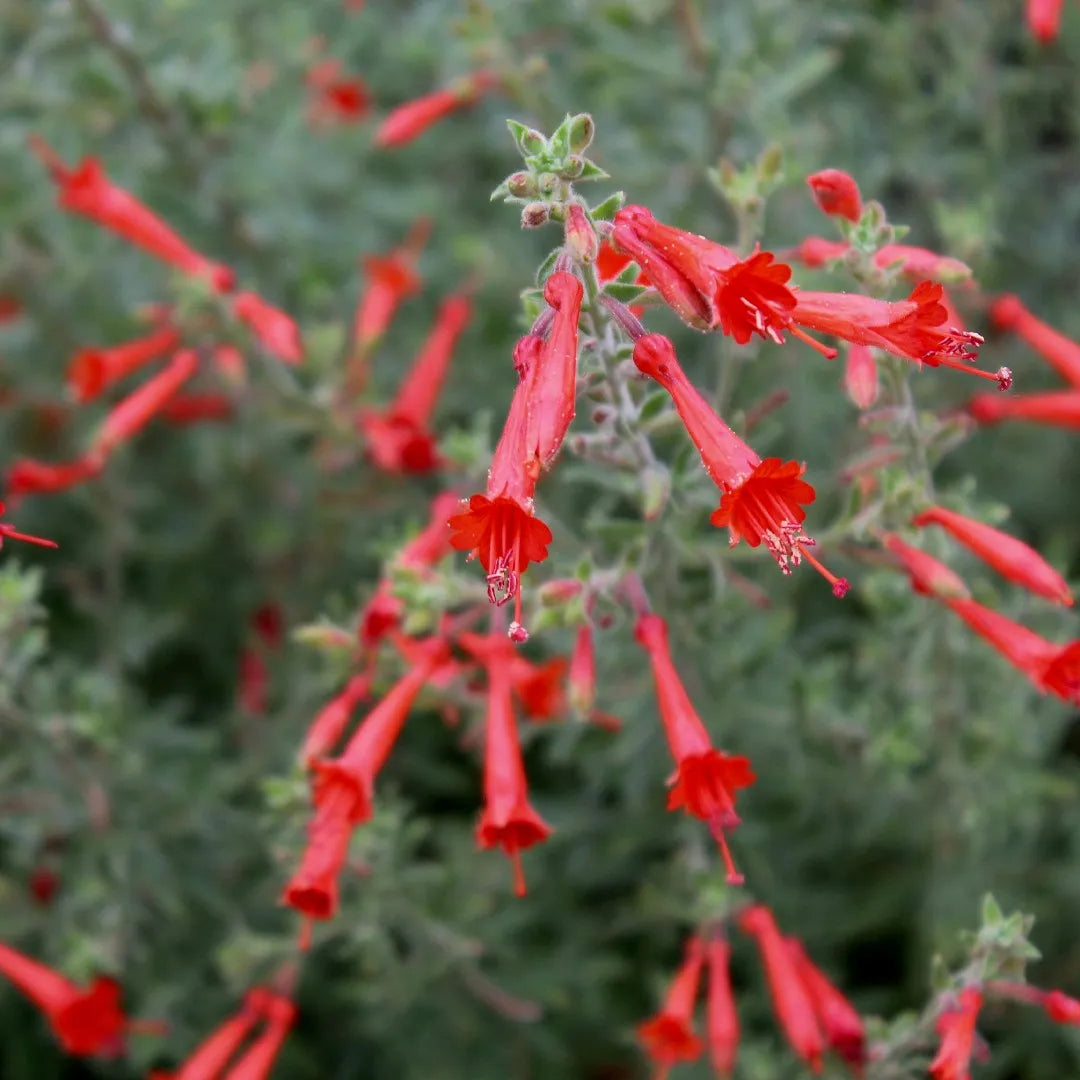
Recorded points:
(861, 376)
(581, 239)
(573, 167)
(533, 215)
(532, 141)
(547, 182)
(836, 194)
(522, 185)
(582, 130)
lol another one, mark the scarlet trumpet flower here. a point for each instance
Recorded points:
(87, 1022)
(706, 780)
(1057, 408)
(582, 673)
(398, 437)
(413, 118)
(836, 194)
(722, 1022)
(762, 500)
(1061, 1008)
(344, 787)
(132, 414)
(956, 1027)
(87, 190)
(668, 1036)
(258, 1060)
(329, 725)
(918, 263)
(843, 1027)
(1010, 557)
(210, 1058)
(93, 370)
(9, 532)
(1062, 353)
(929, 576)
(861, 376)
(539, 687)
(29, 477)
(791, 1001)
(1044, 19)
(500, 528)
(276, 331)
(508, 819)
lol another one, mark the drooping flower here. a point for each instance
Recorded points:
(722, 1021)
(929, 576)
(29, 477)
(398, 437)
(275, 330)
(791, 1001)
(917, 263)
(383, 611)
(1010, 557)
(956, 1028)
(344, 787)
(1056, 408)
(87, 190)
(539, 687)
(706, 780)
(836, 194)
(843, 1027)
(93, 370)
(1044, 19)
(861, 376)
(9, 532)
(1054, 669)
(257, 1062)
(1061, 1008)
(329, 725)
(1063, 354)
(131, 415)
(762, 500)
(211, 1057)
(87, 1022)
(581, 677)
(334, 98)
(391, 278)
(412, 119)
(668, 1036)
(915, 328)
(500, 528)
(553, 375)
(508, 819)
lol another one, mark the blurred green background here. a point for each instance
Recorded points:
(904, 769)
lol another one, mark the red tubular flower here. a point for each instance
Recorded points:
(722, 1021)
(508, 819)
(500, 528)
(94, 370)
(86, 1022)
(705, 283)
(213, 1054)
(668, 1036)
(581, 239)
(187, 409)
(1054, 669)
(762, 500)
(9, 532)
(861, 376)
(1062, 353)
(132, 414)
(956, 1027)
(1057, 408)
(582, 673)
(915, 329)
(398, 437)
(553, 377)
(843, 1027)
(1011, 558)
(915, 262)
(344, 787)
(257, 1062)
(705, 780)
(28, 477)
(412, 119)
(929, 576)
(836, 194)
(335, 99)
(328, 727)
(816, 251)
(88, 191)
(539, 687)
(1061, 1008)
(1044, 19)
(390, 279)
(276, 331)
(791, 1001)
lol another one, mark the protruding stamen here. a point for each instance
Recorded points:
(840, 585)
(717, 830)
(519, 873)
(825, 350)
